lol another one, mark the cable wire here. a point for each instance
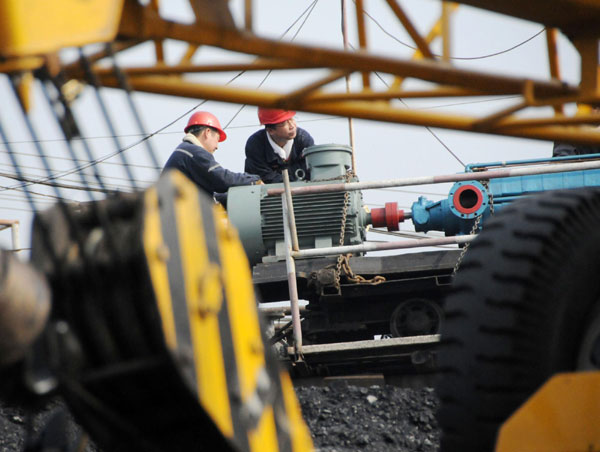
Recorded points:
(426, 127)
(124, 85)
(481, 57)
(36, 168)
(52, 184)
(70, 148)
(93, 80)
(308, 10)
(146, 137)
(311, 8)
(70, 159)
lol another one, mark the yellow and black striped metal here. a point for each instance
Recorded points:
(203, 287)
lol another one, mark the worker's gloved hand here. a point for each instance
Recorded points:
(221, 198)
(259, 182)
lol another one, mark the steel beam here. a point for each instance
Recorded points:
(145, 23)
(151, 26)
(356, 109)
(410, 28)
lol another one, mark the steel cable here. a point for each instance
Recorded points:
(481, 57)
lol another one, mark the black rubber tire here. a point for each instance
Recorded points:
(521, 301)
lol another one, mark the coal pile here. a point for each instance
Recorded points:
(341, 418)
(344, 418)
(43, 427)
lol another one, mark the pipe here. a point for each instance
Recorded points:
(471, 167)
(389, 216)
(14, 231)
(365, 247)
(292, 285)
(350, 124)
(290, 216)
(16, 241)
(424, 180)
(272, 311)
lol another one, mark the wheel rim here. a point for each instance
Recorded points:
(416, 317)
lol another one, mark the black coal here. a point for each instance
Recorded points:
(341, 418)
(344, 418)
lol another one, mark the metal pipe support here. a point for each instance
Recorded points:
(292, 285)
(291, 217)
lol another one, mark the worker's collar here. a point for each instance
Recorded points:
(283, 152)
(191, 138)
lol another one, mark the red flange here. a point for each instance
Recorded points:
(388, 216)
(467, 199)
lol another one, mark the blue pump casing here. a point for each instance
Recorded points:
(456, 214)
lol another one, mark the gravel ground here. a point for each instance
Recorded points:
(15, 421)
(345, 418)
(341, 417)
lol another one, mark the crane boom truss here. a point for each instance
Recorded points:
(143, 23)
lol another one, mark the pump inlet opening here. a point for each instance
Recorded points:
(468, 199)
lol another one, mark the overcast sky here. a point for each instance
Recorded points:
(383, 150)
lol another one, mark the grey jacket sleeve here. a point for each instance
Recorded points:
(218, 178)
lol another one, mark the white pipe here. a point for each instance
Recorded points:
(16, 241)
(350, 124)
(424, 180)
(365, 247)
(291, 217)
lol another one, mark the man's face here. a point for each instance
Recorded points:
(211, 140)
(285, 130)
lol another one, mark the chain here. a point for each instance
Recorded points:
(343, 260)
(466, 246)
(352, 277)
(340, 259)
(486, 184)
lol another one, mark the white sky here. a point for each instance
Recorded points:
(383, 150)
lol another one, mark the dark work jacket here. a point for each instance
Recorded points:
(200, 166)
(564, 149)
(261, 159)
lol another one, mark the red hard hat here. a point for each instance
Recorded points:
(272, 116)
(204, 118)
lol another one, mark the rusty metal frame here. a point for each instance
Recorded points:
(143, 23)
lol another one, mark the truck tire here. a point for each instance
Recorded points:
(523, 306)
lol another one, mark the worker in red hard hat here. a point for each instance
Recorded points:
(279, 145)
(194, 157)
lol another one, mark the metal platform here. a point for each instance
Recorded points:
(271, 278)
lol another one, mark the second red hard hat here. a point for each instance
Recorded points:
(204, 118)
(274, 116)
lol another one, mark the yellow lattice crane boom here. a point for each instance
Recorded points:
(214, 26)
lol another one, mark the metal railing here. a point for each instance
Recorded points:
(292, 250)
(15, 233)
